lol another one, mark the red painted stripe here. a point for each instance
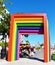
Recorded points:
(29, 15)
(10, 39)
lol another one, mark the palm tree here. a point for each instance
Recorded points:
(26, 35)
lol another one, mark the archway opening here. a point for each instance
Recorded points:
(32, 46)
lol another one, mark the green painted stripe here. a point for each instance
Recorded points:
(30, 24)
(15, 47)
(15, 44)
(26, 24)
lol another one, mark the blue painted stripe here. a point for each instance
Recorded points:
(31, 28)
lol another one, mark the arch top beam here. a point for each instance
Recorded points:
(28, 15)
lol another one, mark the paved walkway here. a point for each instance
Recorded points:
(24, 61)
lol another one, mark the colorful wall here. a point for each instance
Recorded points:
(27, 24)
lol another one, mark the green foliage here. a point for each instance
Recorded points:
(5, 20)
(2, 7)
(8, 1)
(5, 24)
(38, 48)
(1, 1)
(41, 44)
(27, 42)
(53, 57)
(3, 44)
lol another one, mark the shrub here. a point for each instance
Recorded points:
(3, 44)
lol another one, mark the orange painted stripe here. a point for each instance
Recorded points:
(45, 40)
(28, 19)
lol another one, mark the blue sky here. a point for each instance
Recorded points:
(36, 6)
(34, 39)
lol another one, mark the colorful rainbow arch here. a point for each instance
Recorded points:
(27, 24)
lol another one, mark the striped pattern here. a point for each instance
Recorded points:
(27, 24)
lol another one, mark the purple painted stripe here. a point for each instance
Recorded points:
(30, 31)
(18, 39)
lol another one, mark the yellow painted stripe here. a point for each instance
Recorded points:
(28, 20)
(48, 43)
(13, 44)
(48, 40)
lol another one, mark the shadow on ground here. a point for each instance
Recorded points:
(36, 59)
